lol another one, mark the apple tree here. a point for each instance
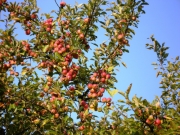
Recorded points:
(51, 84)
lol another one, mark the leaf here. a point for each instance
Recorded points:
(102, 22)
(128, 89)
(177, 58)
(122, 101)
(135, 101)
(45, 48)
(24, 71)
(124, 64)
(107, 22)
(154, 63)
(112, 92)
(110, 68)
(122, 93)
(44, 122)
(157, 74)
(144, 3)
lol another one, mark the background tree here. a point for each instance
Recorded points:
(56, 81)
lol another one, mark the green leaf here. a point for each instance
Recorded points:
(128, 89)
(110, 69)
(102, 22)
(135, 100)
(112, 92)
(122, 101)
(107, 22)
(24, 71)
(45, 48)
(124, 64)
(177, 58)
(122, 93)
(44, 122)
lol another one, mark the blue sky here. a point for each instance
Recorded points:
(162, 19)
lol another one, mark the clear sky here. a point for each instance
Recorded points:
(162, 19)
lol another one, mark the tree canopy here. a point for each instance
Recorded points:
(49, 84)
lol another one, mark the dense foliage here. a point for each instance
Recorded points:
(50, 85)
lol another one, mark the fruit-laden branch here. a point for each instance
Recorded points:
(111, 56)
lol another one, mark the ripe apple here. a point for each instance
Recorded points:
(102, 90)
(120, 36)
(33, 16)
(148, 121)
(108, 99)
(83, 103)
(28, 31)
(100, 94)
(95, 74)
(62, 4)
(104, 100)
(92, 90)
(157, 122)
(86, 106)
(133, 18)
(94, 95)
(53, 111)
(81, 128)
(56, 116)
(103, 80)
(108, 76)
(78, 31)
(86, 20)
(103, 74)
(90, 85)
(81, 36)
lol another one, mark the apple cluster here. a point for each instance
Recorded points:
(60, 48)
(107, 101)
(48, 24)
(84, 104)
(70, 92)
(26, 48)
(65, 24)
(56, 104)
(69, 73)
(97, 80)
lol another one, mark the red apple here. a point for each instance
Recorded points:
(90, 86)
(120, 36)
(81, 128)
(62, 4)
(53, 111)
(102, 90)
(83, 103)
(157, 122)
(33, 16)
(108, 99)
(104, 100)
(56, 115)
(81, 36)
(86, 20)
(28, 31)
(133, 18)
